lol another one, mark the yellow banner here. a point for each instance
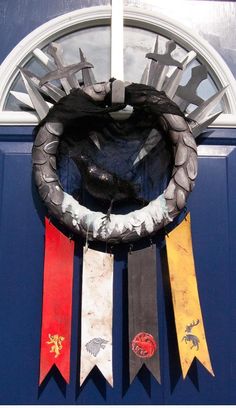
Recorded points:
(187, 310)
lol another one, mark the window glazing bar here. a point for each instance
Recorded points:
(117, 40)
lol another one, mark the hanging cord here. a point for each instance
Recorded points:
(87, 236)
(111, 247)
(185, 212)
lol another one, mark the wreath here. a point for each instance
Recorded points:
(92, 104)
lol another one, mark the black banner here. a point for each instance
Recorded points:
(143, 320)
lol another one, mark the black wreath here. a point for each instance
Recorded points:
(81, 108)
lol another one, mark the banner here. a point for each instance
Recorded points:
(96, 314)
(57, 303)
(187, 310)
(143, 321)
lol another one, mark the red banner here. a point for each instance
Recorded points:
(57, 303)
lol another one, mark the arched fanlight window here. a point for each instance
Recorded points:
(89, 29)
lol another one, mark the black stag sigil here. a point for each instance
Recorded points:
(189, 337)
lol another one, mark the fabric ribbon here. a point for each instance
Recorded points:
(57, 303)
(143, 321)
(96, 314)
(187, 310)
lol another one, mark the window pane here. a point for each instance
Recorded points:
(139, 42)
(95, 43)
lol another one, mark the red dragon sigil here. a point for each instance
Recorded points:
(144, 345)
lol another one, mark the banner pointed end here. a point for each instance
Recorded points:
(82, 379)
(108, 376)
(153, 366)
(185, 370)
(207, 364)
(65, 375)
(154, 370)
(85, 370)
(134, 372)
(156, 375)
(41, 379)
(106, 371)
(46, 372)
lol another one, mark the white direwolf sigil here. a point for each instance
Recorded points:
(95, 345)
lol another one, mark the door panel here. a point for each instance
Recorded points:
(212, 206)
(212, 214)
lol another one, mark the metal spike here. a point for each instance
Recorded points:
(38, 102)
(144, 77)
(159, 76)
(48, 89)
(25, 99)
(56, 51)
(156, 45)
(173, 82)
(198, 128)
(153, 64)
(166, 58)
(157, 73)
(94, 137)
(67, 72)
(57, 91)
(201, 113)
(152, 140)
(66, 86)
(152, 73)
(188, 92)
(47, 62)
(87, 73)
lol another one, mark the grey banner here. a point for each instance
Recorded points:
(143, 320)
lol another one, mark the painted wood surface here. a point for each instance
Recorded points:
(213, 212)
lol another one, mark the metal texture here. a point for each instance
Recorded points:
(37, 100)
(160, 64)
(136, 224)
(188, 92)
(48, 89)
(163, 209)
(152, 140)
(87, 74)
(203, 111)
(171, 85)
(67, 72)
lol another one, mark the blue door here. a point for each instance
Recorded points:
(213, 212)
